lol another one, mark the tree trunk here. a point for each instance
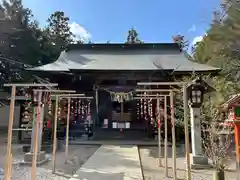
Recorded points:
(219, 175)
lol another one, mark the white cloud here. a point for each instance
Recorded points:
(193, 28)
(80, 32)
(196, 40)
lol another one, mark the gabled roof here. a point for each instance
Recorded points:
(124, 57)
(233, 99)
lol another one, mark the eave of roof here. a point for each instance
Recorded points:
(124, 46)
(234, 99)
(137, 57)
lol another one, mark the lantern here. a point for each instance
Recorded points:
(195, 92)
(36, 97)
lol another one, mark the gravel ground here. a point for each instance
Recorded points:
(152, 171)
(78, 155)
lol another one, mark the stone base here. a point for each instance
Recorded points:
(199, 162)
(41, 158)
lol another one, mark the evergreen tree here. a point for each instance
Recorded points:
(132, 37)
(18, 42)
(181, 41)
(220, 47)
(59, 30)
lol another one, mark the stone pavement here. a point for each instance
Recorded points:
(112, 162)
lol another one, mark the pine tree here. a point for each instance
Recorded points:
(59, 30)
(132, 37)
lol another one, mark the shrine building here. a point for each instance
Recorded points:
(110, 73)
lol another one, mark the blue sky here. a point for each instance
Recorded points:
(110, 20)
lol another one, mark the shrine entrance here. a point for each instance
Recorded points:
(117, 113)
(122, 107)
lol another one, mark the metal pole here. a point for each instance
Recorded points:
(185, 105)
(67, 130)
(159, 134)
(55, 136)
(8, 167)
(173, 137)
(166, 138)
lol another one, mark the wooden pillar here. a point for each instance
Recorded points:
(187, 146)
(174, 166)
(159, 134)
(96, 98)
(97, 108)
(67, 129)
(166, 137)
(8, 167)
(55, 135)
(36, 119)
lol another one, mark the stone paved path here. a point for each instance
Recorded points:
(112, 162)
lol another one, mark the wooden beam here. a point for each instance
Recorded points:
(156, 90)
(71, 95)
(150, 97)
(77, 97)
(54, 91)
(19, 98)
(163, 83)
(31, 85)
